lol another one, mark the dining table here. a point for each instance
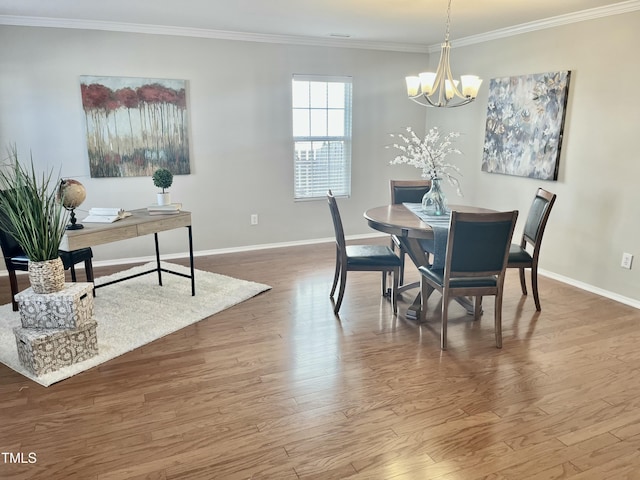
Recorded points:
(412, 231)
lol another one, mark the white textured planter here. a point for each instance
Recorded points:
(47, 276)
(164, 198)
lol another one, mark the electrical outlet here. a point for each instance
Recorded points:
(254, 219)
(627, 258)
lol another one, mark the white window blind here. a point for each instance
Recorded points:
(321, 136)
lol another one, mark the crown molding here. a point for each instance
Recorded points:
(589, 14)
(205, 33)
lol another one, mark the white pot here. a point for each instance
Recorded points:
(164, 198)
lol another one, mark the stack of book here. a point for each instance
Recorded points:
(106, 215)
(170, 209)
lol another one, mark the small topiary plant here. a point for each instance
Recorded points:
(162, 178)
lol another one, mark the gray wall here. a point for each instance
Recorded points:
(239, 98)
(597, 213)
(241, 153)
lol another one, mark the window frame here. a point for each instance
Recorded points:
(318, 184)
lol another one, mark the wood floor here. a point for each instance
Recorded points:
(278, 388)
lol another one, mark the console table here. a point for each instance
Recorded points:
(140, 223)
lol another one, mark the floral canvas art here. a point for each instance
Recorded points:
(525, 122)
(135, 125)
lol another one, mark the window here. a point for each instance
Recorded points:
(322, 136)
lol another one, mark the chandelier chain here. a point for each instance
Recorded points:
(446, 35)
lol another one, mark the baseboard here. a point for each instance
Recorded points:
(590, 288)
(218, 251)
(248, 248)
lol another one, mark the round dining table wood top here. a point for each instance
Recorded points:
(399, 220)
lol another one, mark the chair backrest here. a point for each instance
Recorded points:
(478, 243)
(9, 245)
(337, 221)
(537, 218)
(408, 191)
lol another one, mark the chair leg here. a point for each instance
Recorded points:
(13, 281)
(498, 320)
(88, 270)
(401, 254)
(336, 275)
(534, 286)
(478, 308)
(384, 284)
(523, 284)
(343, 282)
(394, 291)
(73, 273)
(401, 271)
(423, 300)
(425, 292)
(445, 313)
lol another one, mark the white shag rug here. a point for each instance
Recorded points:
(137, 311)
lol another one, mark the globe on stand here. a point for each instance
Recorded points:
(71, 193)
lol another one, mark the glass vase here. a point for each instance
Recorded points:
(434, 202)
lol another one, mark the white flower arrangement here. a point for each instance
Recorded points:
(429, 154)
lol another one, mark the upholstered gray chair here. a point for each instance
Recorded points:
(370, 258)
(534, 228)
(475, 265)
(406, 191)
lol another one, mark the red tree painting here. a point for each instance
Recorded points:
(135, 125)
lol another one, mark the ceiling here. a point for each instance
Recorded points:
(402, 22)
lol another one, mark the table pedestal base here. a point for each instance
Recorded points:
(413, 312)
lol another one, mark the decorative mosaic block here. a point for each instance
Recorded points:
(41, 351)
(68, 308)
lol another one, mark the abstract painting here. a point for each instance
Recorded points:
(135, 125)
(525, 122)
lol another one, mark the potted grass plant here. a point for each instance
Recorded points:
(33, 215)
(163, 178)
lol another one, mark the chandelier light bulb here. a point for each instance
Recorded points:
(413, 86)
(470, 85)
(427, 79)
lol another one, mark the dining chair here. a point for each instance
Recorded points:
(475, 265)
(534, 228)
(369, 258)
(405, 191)
(16, 260)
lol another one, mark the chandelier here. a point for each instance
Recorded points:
(439, 89)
